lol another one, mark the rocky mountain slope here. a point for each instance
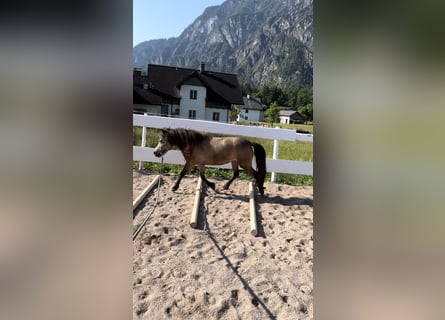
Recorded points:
(263, 41)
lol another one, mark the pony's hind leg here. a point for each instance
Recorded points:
(201, 174)
(249, 170)
(255, 174)
(234, 175)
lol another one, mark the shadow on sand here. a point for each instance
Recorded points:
(256, 301)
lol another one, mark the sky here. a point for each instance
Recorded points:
(155, 19)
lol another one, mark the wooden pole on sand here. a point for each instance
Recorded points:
(145, 192)
(194, 216)
(253, 224)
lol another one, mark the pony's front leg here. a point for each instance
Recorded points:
(186, 168)
(201, 174)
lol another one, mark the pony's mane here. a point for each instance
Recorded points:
(185, 138)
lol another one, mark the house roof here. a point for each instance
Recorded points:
(291, 113)
(287, 113)
(251, 103)
(221, 87)
(142, 96)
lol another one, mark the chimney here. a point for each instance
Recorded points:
(202, 67)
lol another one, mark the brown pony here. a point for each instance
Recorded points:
(201, 149)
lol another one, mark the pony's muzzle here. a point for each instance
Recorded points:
(159, 152)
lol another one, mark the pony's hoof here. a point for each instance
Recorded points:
(261, 189)
(174, 188)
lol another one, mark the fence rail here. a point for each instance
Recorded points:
(175, 157)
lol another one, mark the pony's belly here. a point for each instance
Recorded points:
(216, 161)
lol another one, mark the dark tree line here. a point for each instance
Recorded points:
(298, 98)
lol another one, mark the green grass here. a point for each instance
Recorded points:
(305, 127)
(288, 150)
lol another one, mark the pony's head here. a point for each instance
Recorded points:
(163, 145)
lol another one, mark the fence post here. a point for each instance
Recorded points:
(144, 141)
(275, 156)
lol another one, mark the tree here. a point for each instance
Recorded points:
(304, 97)
(269, 94)
(246, 88)
(293, 97)
(300, 96)
(307, 112)
(234, 112)
(273, 113)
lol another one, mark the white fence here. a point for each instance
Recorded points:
(274, 165)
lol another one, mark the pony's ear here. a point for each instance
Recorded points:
(164, 130)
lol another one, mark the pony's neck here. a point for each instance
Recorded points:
(177, 141)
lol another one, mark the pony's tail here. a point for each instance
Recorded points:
(260, 155)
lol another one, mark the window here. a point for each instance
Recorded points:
(247, 110)
(246, 118)
(215, 116)
(193, 94)
(176, 111)
(192, 114)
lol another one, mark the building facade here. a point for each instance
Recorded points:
(185, 93)
(290, 117)
(251, 110)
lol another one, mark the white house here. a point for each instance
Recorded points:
(251, 110)
(186, 93)
(290, 116)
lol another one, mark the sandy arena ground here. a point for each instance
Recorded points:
(219, 270)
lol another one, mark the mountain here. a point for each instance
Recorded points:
(263, 41)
